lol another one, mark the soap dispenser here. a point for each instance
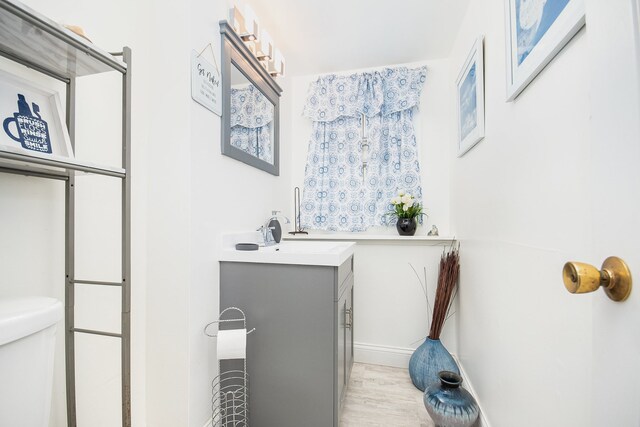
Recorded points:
(276, 228)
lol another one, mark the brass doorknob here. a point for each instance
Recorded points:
(614, 277)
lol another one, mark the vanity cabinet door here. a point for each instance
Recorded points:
(345, 337)
(348, 358)
(341, 339)
(291, 357)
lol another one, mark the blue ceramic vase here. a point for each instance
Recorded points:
(448, 404)
(427, 361)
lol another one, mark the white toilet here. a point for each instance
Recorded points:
(27, 342)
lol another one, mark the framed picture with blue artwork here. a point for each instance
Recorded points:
(470, 99)
(31, 119)
(536, 31)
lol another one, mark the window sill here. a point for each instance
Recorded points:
(357, 237)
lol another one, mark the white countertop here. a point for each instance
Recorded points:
(290, 252)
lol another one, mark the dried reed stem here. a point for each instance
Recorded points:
(445, 291)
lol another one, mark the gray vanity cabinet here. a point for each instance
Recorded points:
(299, 358)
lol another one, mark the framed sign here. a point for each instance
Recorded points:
(470, 99)
(206, 85)
(31, 119)
(536, 31)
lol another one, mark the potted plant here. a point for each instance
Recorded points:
(407, 210)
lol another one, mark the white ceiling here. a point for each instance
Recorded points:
(320, 36)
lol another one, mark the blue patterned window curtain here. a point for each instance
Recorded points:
(251, 122)
(339, 195)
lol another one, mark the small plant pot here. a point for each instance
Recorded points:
(407, 226)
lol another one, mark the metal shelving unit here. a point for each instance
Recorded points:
(37, 42)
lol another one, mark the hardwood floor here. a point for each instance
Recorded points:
(381, 396)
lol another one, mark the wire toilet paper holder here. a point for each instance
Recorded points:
(230, 389)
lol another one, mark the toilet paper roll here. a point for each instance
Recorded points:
(232, 344)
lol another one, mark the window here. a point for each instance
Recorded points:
(363, 148)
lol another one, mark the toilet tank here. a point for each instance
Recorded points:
(27, 342)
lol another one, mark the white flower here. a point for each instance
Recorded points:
(405, 208)
(400, 193)
(406, 199)
(410, 203)
(395, 200)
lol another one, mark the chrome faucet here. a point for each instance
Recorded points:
(266, 230)
(267, 234)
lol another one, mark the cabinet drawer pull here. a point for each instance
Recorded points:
(348, 313)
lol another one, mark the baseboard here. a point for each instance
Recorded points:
(397, 357)
(466, 383)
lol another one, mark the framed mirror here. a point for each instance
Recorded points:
(250, 106)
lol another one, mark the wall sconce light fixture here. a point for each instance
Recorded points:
(278, 65)
(264, 47)
(245, 24)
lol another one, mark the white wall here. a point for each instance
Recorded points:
(32, 219)
(614, 47)
(226, 195)
(614, 43)
(390, 314)
(169, 218)
(185, 194)
(390, 311)
(195, 194)
(519, 205)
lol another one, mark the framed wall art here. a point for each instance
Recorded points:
(32, 120)
(536, 31)
(470, 99)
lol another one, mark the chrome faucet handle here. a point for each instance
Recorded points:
(274, 215)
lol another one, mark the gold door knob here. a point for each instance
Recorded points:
(614, 277)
